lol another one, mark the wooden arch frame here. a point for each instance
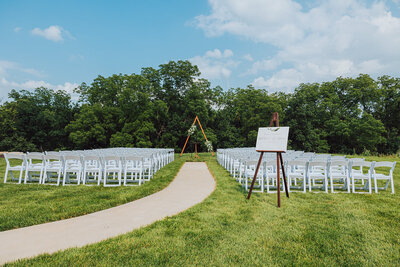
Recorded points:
(187, 139)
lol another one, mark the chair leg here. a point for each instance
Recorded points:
(369, 185)
(45, 175)
(332, 184)
(392, 185)
(64, 177)
(5, 177)
(78, 177)
(376, 185)
(326, 184)
(26, 176)
(348, 184)
(58, 178)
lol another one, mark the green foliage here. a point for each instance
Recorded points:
(156, 107)
(336, 116)
(35, 120)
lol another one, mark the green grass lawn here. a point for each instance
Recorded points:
(29, 204)
(225, 230)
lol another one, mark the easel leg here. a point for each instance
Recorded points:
(255, 175)
(278, 180)
(284, 175)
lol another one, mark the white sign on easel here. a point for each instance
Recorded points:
(273, 139)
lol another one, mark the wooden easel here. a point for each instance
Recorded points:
(279, 164)
(187, 139)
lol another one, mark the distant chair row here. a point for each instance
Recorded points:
(110, 167)
(312, 172)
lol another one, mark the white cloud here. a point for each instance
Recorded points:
(53, 33)
(9, 68)
(331, 38)
(17, 29)
(283, 80)
(32, 84)
(6, 66)
(7, 86)
(264, 65)
(248, 57)
(215, 64)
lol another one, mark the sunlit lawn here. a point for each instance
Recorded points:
(225, 230)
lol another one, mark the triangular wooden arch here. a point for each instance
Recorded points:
(187, 139)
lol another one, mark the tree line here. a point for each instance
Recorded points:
(157, 107)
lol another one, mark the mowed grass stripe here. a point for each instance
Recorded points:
(225, 230)
(30, 204)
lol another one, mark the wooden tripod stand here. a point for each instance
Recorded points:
(279, 165)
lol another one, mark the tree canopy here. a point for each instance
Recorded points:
(156, 108)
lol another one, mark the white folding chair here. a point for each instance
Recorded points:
(53, 163)
(339, 175)
(72, 169)
(112, 165)
(249, 171)
(92, 169)
(268, 171)
(296, 172)
(360, 177)
(34, 168)
(381, 176)
(11, 166)
(318, 175)
(134, 167)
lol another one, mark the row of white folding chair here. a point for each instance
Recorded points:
(80, 166)
(337, 174)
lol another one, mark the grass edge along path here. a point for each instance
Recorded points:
(225, 229)
(26, 205)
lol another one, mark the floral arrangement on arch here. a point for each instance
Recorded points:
(208, 145)
(191, 130)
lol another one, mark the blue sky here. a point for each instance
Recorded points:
(270, 44)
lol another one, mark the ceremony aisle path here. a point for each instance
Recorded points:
(192, 185)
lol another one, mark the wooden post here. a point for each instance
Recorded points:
(195, 149)
(284, 175)
(278, 180)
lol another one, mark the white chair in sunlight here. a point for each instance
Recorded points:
(296, 172)
(10, 166)
(53, 167)
(112, 170)
(339, 175)
(133, 173)
(92, 169)
(34, 168)
(248, 175)
(72, 169)
(268, 171)
(318, 175)
(383, 177)
(361, 175)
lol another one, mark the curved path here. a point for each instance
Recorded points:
(191, 186)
